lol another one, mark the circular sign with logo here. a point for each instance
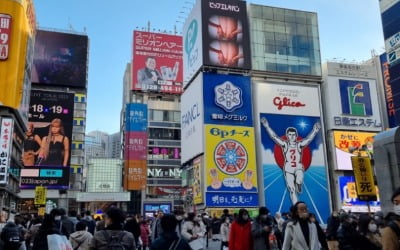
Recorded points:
(230, 156)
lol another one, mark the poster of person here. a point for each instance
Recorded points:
(293, 163)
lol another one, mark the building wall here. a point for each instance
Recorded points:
(104, 175)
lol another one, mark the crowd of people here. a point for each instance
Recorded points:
(296, 230)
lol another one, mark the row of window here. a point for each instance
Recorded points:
(284, 15)
(164, 115)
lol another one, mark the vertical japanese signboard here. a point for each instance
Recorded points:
(6, 134)
(362, 168)
(40, 195)
(5, 34)
(197, 181)
(230, 171)
(135, 152)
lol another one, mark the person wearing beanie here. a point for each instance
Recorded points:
(391, 233)
(261, 228)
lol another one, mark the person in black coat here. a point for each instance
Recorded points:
(48, 227)
(132, 226)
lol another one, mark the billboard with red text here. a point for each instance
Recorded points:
(157, 62)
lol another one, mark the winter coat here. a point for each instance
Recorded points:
(144, 234)
(240, 236)
(294, 237)
(100, 240)
(189, 230)
(390, 241)
(332, 228)
(40, 242)
(348, 237)
(156, 229)
(81, 239)
(165, 241)
(260, 236)
(225, 231)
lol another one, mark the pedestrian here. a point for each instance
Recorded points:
(67, 222)
(20, 221)
(391, 233)
(331, 231)
(193, 231)
(368, 230)
(33, 230)
(240, 233)
(216, 226)
(179, 215)
(11, 237)
(48, 227)
(168, 237)
(144, 234)
(132, 226)
(347, 235)
(301, 233)
(261, 228)
(225, 228)
(80, 239)
(114, 234)
(73, 216)
(156, 229)
(90, 222)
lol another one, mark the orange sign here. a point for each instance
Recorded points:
(135, 176)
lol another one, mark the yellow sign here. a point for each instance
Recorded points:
(354, 142)
(230, 159)
(364, 176)
(197, 183)
(17, 57)
(40, 195)
(351, 189)
(41, 211)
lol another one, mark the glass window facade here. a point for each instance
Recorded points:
(284, 40)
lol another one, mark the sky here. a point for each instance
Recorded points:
(349, 30)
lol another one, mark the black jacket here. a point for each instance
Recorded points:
(165, 241)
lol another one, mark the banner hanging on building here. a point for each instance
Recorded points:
(6, 135)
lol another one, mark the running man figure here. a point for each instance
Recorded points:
(292, 151)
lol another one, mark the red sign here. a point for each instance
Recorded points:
(136, 146)
(286, 102)
(157, 62)
(5, 34)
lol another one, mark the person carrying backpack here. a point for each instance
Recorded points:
(113, 237)
(11, 236)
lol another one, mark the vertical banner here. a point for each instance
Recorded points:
(40, 195)
(362, 169)
(292, 149)
(5, 35)
(135, 145)
(230, 171)
(227, 100)
(47, 144)
(136, 117)
(6, 135)
(157, 62)
(197, 181)
(226, 34)
(135, 174)
(387, 86)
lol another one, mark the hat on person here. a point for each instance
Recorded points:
(263, 210)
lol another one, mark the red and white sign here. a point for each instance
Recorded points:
(6, 134)
(5, 35)
(157, 62)
(287, 99)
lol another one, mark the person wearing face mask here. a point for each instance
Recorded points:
(240, 234)
(193, 231)
(391, 233)
(179, 216)
(261, 228)
(301, 233)
(224, 230)
(369, 233)
(347, 235)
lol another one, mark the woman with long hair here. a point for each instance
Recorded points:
(193, 230)
(301, 233)
(31, 146)
(368, 229)
(55, 146)
(240, 234)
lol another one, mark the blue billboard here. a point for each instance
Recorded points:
(387, 86)
(136, 117)
(227, 100)
(348, 198)
(232, 199)
(293, 163)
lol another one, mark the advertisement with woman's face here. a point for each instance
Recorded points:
(47, 143)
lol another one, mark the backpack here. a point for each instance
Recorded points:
(12, 238)
(114, 241)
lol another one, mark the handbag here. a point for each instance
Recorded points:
(196, 244)
(58, 242)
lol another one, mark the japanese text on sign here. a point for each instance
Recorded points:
(40, 195)
(364, 177)
(5, 147)
(357, 122)
(5, 32)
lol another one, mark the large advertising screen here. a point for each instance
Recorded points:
(291, 147)
(227, 100)
(60, 59)
(226, 39)
(351, 143)
(47, 144)
(17, 36)
(157, 62)
(230, 170)
(349, 200)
